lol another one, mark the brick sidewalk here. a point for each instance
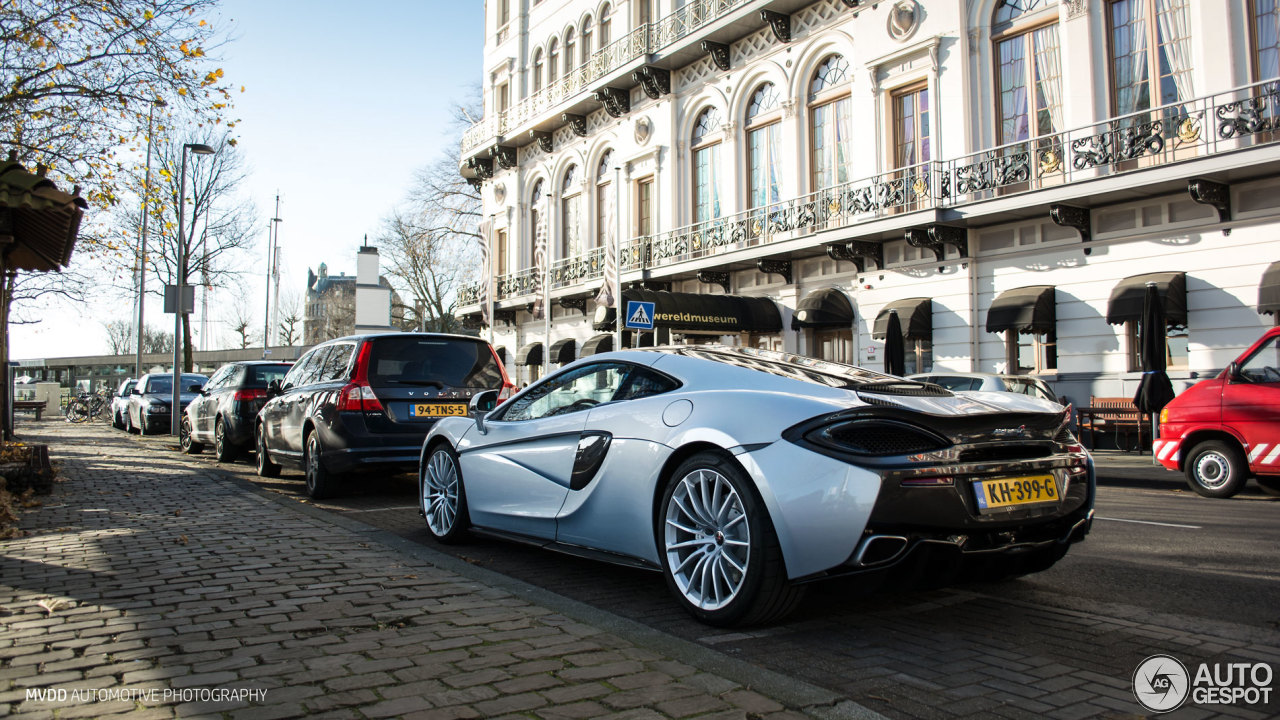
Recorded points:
(147, 588)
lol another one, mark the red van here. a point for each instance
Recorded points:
(1220, 431)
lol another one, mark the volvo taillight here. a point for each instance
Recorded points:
(359, 397)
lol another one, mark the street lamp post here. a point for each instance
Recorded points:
(175, 408)
(142, 239)
(273, 257)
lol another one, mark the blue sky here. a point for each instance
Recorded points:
(343, 102)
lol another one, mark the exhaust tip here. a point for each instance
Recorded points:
(879, 549)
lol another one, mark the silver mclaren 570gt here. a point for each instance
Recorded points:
(744, 474)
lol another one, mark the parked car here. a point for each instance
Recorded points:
(989, 382)
(148, 409)
(366, 402)
(227, 408)
(1221, 431)
(742, 474)
(120, 403)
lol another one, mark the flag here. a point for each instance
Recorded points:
(609, 291)
(540, 261)
(486, 273)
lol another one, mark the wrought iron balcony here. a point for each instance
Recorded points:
(1174, 134)
(1198, 128)
(646, 39)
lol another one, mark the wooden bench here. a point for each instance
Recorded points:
(35, 406)
(1117, 415)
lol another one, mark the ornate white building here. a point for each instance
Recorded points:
(1007, 174)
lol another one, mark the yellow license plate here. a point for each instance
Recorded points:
(437, 410)
(1026, 490)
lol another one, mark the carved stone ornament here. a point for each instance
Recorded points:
(780, 23)
(1077, 8)
(578, 123)
(499, 193)
(543, 139)
(504, 155)
(643, 129)
(655, 81)
(616, 101)
(904, 18)
(719, 53)
(482, 167)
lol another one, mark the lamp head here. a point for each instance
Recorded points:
(199, 149)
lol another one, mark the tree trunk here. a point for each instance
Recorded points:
(186, 343)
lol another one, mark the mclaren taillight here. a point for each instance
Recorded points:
(248, 394)
(876, 437)
(357, 395)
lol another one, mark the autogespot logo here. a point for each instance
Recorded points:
(1161, 683)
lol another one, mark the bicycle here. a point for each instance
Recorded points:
(86, 406)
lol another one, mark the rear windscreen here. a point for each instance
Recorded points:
(452, 362)
(259, 376)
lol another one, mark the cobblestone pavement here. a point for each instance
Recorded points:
(149, 587)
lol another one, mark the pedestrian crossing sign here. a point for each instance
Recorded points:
(639, 315)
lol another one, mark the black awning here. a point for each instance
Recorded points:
(1269, 291)
(530, 354)
(597, 344)
(501, 352)
(829, 308)
(696, 312)
(562, 351)
(1026, 310)
(1125, 304)
(915, 314)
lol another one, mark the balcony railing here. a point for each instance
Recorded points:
(643, 40)
(1183, 131)
(1234, 120)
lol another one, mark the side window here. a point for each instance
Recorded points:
(1264, 365)
(295, 373)
(335, 364)
(580, 389)
(219, 378)
(643, 382)
(311, 370)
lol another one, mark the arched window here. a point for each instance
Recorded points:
(1151, 61)
(537, 70)
(537, 219)
(706, 165)
(604, 198)
(605, 22)
(570, 47)
(1264, 25)
(586, 40)
(1029, 67)
(571, 214)
(764, 146)
(830, 124)
(553, 57)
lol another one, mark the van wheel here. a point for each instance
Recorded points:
(1216, 469)
(320, 482)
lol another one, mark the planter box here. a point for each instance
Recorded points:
(28, 468)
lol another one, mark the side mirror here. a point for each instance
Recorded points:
(195, 388)
(135, 391)
(482, 404)
(1233, 372)
(274, 388)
